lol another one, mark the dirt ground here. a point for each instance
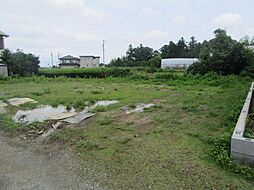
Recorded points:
(40, 167)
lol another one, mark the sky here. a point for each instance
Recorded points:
(78, 27)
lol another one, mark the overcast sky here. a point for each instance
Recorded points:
(77, 27)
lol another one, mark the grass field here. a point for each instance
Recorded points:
(174, 145)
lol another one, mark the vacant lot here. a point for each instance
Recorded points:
(166, 147)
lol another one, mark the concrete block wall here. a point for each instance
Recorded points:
(242, 149)
(3, 70)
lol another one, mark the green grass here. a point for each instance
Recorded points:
(181, 143)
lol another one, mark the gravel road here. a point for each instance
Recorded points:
(34, 168)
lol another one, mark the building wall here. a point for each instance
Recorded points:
(89, 62)
(1, 42)
(3, 70)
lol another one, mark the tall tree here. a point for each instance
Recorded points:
(222, 55)
(194, 48)
(130, 53)
(245, 40)
(20, 63)
(181, 49)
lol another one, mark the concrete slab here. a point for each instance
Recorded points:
(55, 126)
(41, 113)
(20, 101)
(48, 132)
(79, 117)
(61, 116)
(2, 104)
(3, 110)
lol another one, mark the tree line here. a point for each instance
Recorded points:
(222, 55)
(143, 56)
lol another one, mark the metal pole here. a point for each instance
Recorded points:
(52, 62)
(103, 48)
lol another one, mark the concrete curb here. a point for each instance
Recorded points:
(242, 149)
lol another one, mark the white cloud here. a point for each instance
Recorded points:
(178, 19)
(117, 2)
(85, 37)
(157, 34)
(226, 20)
(149, 11)
(75, 6)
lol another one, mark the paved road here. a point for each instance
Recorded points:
(30, 168)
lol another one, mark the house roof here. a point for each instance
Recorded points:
(3, 34)
(69, 57)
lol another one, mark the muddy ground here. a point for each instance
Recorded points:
(42, 167)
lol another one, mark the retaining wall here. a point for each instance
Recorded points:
(242, 148)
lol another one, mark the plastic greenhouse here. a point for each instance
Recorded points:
(177, 63)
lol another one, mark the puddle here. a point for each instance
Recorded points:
(43, 113)
(104, 103)
(40, 114)
(140, 108)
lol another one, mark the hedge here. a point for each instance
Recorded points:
(85, 72)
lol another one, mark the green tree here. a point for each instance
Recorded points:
(155, 62)
(194, 48)
(169, 51)
(252, 41)
(135, 57)
(142, 53)
(20, 63)
(222, 55)
(181, 49)
(119, 62)
(130, 53)
(245, 40)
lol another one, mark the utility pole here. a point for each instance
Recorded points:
(103, 49)
(52, 61)
(58, 56)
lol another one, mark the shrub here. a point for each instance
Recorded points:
(86, 72)
(222, 55)
(166, 76)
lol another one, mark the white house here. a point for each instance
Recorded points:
(89, 61)
(3, 67)
(79, 62)
(175, 63)
(69, 62)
